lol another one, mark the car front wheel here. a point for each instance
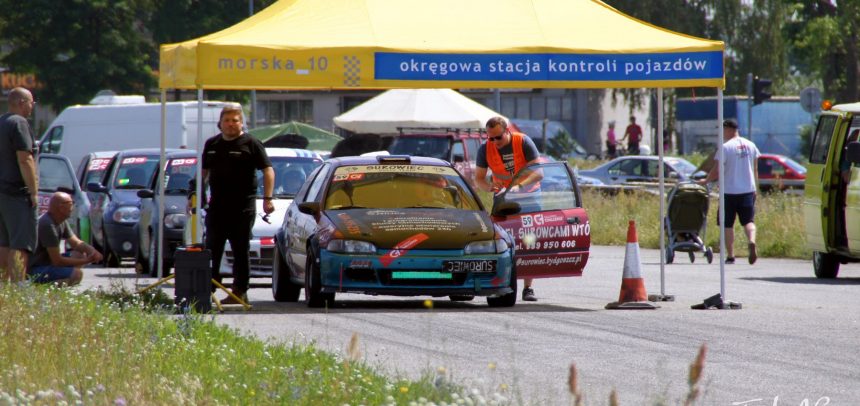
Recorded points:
(314, 297)
(508, 300)
(283, 289)
(826, 265)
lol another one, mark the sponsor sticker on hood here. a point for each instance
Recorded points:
(402, 248)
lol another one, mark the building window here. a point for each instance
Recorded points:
(282, 111)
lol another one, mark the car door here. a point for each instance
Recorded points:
(300, 226)
(551, 231)
(57, 174)
(851, 205)
(818, 207)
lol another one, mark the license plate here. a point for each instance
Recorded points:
(470, 265)
(412, 275)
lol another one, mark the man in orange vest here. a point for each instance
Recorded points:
(505, 153)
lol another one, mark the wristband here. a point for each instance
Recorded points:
(267, 198)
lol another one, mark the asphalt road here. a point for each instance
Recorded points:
(794, 342)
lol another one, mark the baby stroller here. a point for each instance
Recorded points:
(687, 221)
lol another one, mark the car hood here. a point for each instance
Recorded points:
(263, 229)
(125, 197)
(386, 228)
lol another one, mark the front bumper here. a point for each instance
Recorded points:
(122, 239)
(260, 258)
(366, 274)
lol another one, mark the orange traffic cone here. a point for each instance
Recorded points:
(633, 294)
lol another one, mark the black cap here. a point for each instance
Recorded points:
(731, 123)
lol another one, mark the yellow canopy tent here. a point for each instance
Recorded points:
(441, 44)
(385, 44)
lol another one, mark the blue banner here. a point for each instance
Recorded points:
(549, 67)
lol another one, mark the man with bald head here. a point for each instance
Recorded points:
(18, 186)
(48, 264)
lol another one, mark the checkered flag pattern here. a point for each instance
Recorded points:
(351, 71)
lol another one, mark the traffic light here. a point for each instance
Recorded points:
(760, 90)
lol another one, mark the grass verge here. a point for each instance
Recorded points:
(60, 347)
(779, 221)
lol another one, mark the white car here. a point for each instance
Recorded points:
(291, 166)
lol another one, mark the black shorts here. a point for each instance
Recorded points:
(742, 206)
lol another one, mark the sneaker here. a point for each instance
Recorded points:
(529, 295)
(753, 255)
(730, 260)
(230, 301)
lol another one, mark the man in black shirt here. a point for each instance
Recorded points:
(230, 162)
(18, 186)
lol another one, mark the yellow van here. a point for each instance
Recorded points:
(831, 203)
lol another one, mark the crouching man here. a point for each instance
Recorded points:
(47, 265)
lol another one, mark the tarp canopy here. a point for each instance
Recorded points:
(315, 44)
(437, 108)
(318, 139)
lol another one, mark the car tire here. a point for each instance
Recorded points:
(826, 265)
(141, 264)
(153, 257)
(508, 300)
(283, 288)
(111, 259)
(314, 297)
(461, 298)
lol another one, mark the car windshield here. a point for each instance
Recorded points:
(179, 173)
(795, 166)
(683, 166)
(96, 170)
(135, 172)
(398, 186)
(434, 147)
(290, 174)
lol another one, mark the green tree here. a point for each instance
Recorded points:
(77, 48)
(825, 37)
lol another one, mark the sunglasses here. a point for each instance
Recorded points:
(496, 138)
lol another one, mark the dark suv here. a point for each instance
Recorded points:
(457, 146)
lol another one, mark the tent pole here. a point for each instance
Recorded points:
(721, 183)
(160, 271)
(725, 304)
(662, 297)
(198, 231)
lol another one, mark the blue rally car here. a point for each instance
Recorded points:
(391, 225)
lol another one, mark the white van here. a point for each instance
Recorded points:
(81, 129)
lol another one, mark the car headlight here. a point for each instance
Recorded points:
(126, 214)
(486, 247)
(351, 247)
(176, 220)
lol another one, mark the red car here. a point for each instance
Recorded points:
(779, 172)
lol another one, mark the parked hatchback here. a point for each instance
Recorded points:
(116, 209)
(779, 172)
(633, 169)
(180, 170)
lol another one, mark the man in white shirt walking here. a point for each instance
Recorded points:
(741, 169)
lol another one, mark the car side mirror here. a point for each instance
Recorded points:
(145, 194)
(506, 208)
(854, 152)
(312, 208)
(96, 187)
(674, 175)
(458, 158)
